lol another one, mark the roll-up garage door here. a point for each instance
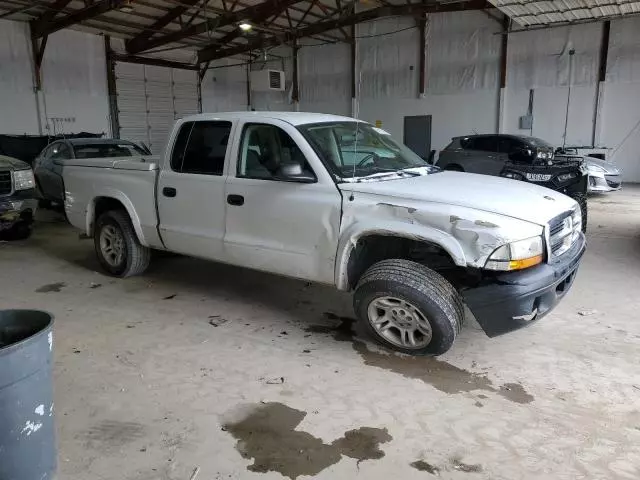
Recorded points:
(150, 99)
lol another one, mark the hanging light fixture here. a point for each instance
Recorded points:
(245, 26)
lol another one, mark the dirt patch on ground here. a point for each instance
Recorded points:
(268, 435)
(439, 374)
(52, 287)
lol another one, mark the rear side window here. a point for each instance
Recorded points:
(508, 145)
(95, 150)
(60, 152)
(201, 147)
(485, 144)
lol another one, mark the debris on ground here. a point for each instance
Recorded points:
(465, 467)
(170, 297)
(95, 285)
(586, 313)
(275, 381)
(195, 473)
(425, 467)
(217, 320)
(51, 287)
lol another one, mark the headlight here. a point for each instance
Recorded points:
(516, 255)
(567, 176)
(23, 179)
(513, 175)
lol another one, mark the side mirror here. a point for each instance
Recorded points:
(293, 172)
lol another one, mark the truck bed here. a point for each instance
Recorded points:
(130, 180)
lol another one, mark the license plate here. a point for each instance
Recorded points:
(538, 177)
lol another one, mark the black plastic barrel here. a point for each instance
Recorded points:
(27, 432)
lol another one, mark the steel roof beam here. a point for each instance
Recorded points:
(42, 29)
(139, 40)
(229, 18)
(215, 53)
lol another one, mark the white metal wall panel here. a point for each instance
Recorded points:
(185, 92)
(150, 99)
(160, 113)
(132, 102)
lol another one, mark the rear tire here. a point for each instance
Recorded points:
(117, 246)
(396, 297)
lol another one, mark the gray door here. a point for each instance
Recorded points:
(417, 134)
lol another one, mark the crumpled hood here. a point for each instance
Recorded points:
(12, 163)
(608, 167)
(501, 196)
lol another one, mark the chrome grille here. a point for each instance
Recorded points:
(6, 186)
(563, 231)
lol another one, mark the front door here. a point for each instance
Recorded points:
(191, 190)
(284, 227)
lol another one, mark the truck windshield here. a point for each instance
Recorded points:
(355, 150)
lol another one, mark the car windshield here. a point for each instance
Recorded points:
(537, 142)
(101, 150)
(356, 150)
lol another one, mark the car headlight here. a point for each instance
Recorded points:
(516, 255)
(566, 176)
(513, 175)
(23, 179)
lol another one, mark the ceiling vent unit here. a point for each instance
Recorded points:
(267, 81)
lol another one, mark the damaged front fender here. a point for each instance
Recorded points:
(468, 235)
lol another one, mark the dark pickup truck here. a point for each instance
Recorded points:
(18, 199)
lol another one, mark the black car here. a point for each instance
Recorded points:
(48, 168)
(518, 157)
(18, 199)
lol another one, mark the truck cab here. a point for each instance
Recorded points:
(337, 201)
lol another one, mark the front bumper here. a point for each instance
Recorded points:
(604, 182)
(18, 207)
(512, 300)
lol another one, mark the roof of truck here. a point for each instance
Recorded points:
(294, 118)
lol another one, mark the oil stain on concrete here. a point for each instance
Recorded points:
(52, 287)
(423, 466)
(441, 375)
(268, 435)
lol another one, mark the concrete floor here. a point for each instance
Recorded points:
(202, 371)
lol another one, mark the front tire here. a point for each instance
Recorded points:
(117, 246)
(409, 307)
(581, 198)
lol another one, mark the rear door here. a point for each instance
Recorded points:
(279, 226)
(191, 189)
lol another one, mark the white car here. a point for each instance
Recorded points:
(337, 201)
(603, 176)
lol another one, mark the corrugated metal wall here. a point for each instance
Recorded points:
(150, 99)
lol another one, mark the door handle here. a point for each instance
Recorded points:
(235, 200)
(169, 192)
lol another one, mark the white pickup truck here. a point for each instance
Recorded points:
(337, 201)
